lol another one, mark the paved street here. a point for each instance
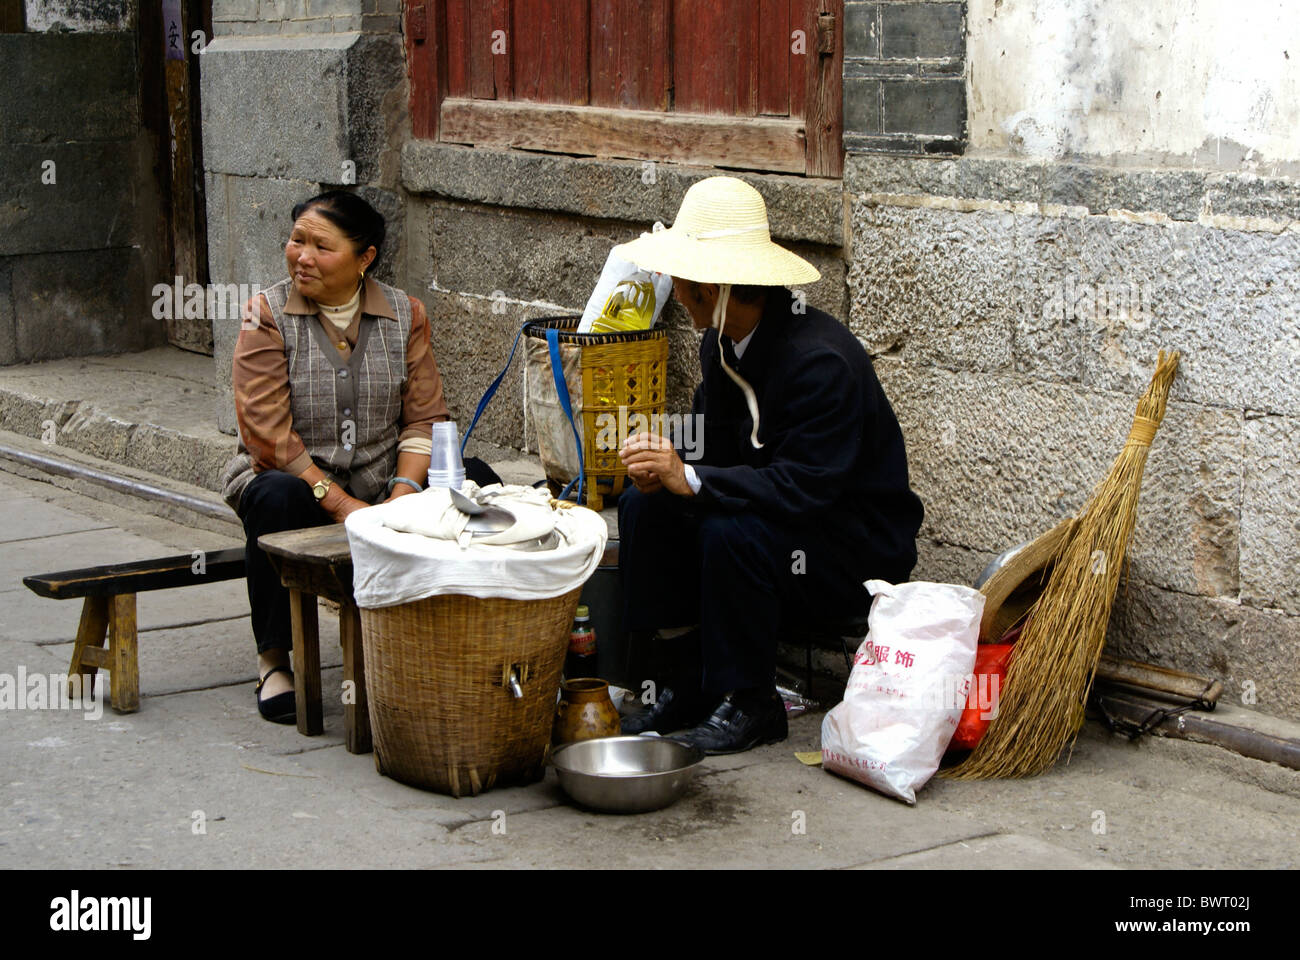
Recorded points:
(128, 790)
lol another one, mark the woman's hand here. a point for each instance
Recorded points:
(338, 503)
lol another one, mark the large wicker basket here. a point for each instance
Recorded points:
(438, 676)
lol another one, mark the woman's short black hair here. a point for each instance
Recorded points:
(360, 222)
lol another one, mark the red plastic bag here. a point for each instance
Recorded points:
(991, 660)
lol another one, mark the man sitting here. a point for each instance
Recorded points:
(800, 493)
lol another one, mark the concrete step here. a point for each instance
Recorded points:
(153, 411)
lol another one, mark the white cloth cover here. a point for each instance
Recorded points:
(407, 550)
(908, 687)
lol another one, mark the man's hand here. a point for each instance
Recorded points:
(652, 464)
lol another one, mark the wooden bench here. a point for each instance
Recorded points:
(109, 610)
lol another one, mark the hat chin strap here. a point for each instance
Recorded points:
(719, 317)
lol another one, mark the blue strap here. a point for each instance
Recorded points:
(562, 391)
(492, 389)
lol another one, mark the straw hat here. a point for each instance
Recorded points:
(720, 236)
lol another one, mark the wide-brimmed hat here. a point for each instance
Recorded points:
(720, 236)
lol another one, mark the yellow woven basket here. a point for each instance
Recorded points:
(615, 380)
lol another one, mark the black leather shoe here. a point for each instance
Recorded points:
(283, 707)
(744, 720)
(671, 711)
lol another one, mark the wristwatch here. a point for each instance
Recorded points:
(321, 487)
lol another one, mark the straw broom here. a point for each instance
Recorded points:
(1041, 706)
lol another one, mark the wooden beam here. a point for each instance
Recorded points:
(124, 672)
(306, 662)
(356, 713)
(97, 657)
(91, 634)
(772, 144)
(824, 105)
(11, 16)
(425, 43)
(187, 333)
(1202, 728)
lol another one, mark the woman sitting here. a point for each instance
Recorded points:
(336, 393)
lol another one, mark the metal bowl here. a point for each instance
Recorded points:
(626, 774)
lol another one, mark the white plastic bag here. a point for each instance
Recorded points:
(619, 271)
(908, 687)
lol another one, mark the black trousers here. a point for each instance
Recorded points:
(743, 578)
(274, 501)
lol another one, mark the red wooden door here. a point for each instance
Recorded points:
(743, 83)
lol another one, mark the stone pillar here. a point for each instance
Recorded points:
(299, 96)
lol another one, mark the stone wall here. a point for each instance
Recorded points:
(79, 16)
(272, 17)
(1015, 309)
(79, 209)
(1128, 187)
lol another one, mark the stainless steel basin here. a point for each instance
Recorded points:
(626, 774)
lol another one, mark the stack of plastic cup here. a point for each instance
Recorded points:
(445, 466)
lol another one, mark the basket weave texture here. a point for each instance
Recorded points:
(437, 676)
(615, 371)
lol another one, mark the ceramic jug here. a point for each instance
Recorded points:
(585, 712)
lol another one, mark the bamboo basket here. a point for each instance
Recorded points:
(607, 374)
(438, 677)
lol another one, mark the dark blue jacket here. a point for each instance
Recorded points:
(832, 454)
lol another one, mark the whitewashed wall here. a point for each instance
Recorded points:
(1206, 82)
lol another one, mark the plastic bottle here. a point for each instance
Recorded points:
(581, 661)
(631, 306)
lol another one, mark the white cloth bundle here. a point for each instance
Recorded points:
(408, 549)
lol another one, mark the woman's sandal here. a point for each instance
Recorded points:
(283, 707)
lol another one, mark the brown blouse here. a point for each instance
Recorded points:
(261, 379)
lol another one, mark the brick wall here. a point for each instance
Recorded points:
(904, 77)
